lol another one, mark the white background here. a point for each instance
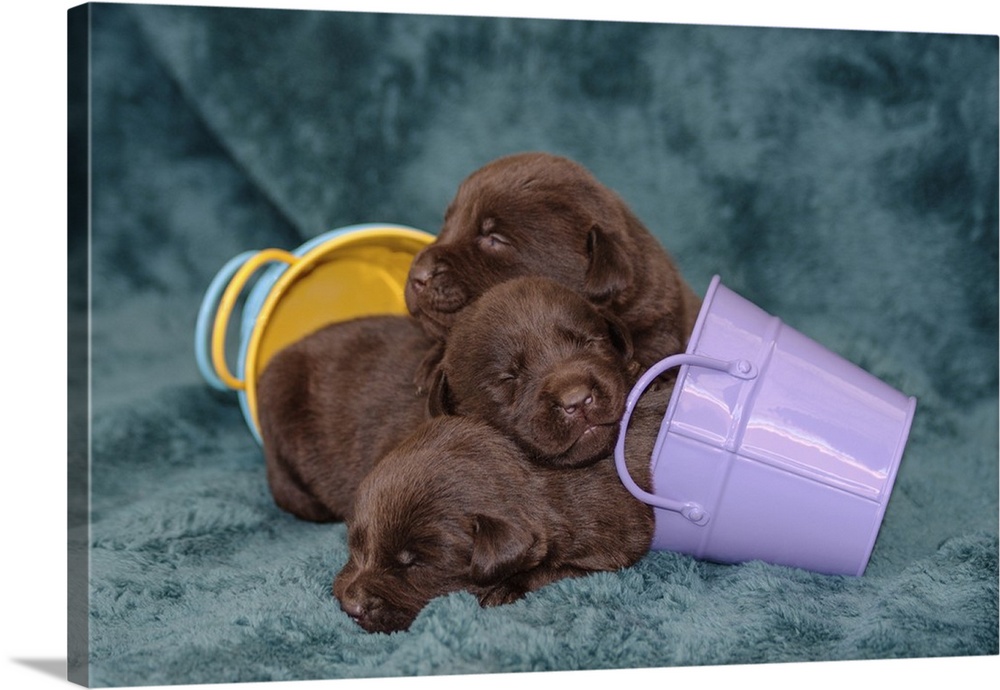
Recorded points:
(33, 331)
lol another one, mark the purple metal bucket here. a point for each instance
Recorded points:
(772, 448)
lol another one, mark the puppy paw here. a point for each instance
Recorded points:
(504, 593)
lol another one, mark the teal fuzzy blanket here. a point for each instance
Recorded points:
(843, 180)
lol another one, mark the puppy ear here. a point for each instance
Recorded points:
(427, 370)
(619, 336)
(501, 549)
(609, 272)
(439, 400)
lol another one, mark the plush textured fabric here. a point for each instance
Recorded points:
(845, 181)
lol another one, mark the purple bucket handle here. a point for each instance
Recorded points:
(739, 368)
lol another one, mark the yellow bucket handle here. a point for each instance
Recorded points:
(228, 302)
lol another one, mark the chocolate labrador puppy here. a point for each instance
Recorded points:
(531, 356)
(332, 403)
(540, 214)
(457, 506)
(543, 365)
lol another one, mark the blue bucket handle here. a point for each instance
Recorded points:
(206, 319)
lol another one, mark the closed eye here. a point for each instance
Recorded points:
(494, 241)
(514, 367)
(489, 238)
(508, 386)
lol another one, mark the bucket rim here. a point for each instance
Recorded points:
(890, 481)
(682, 372)
(267, 292)
(706, 306)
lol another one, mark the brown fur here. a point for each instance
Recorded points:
(334, 402)
(457, 506)
(540, 214)
(543, 365)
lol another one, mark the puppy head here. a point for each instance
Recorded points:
(432, 517)
(541, 364)
(525, 214)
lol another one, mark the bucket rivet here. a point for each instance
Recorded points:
(744, 366)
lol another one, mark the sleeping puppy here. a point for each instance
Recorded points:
(457, 506)
(332, 403)
(540, 214)
(543, 365)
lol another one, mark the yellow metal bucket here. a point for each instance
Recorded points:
(355, 271)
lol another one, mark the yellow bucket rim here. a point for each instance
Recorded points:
(297, 265)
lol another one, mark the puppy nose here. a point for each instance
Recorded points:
(358, 604)
(420, 275)
(573, 399)
(353, 608)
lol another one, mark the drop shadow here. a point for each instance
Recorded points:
(50, 667)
